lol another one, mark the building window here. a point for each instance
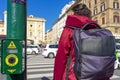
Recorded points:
(30, 34)
(39, 34)
(95, 1)
(116, 19)
(2, 30)
(89, 5)
(95, 11)
(103, 20)
(31, 25)
(96, 21)
(116, 30)
(102, 7)
(39, 26)
(115, 5)
(84, 1)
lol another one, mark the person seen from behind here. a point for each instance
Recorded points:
(81, 16)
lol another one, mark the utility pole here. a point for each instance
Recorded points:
(16, 29)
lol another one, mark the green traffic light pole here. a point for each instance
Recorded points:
(16, 29)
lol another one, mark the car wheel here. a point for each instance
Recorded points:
(51, 55)
(33, 52)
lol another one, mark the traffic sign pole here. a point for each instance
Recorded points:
(16, 29)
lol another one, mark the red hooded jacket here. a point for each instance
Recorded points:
(66, 47)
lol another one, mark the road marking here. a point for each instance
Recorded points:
(38, 70)
(39, 63)
(114, 77)
(40, 66)
(39, 75)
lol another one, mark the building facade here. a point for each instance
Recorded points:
(2, 31)
(35, 28)
(106, 13)
(49, 36)
(60, 23)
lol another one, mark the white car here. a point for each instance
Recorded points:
(32, 49)
(50, 50)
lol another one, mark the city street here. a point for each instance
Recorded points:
(40, 68)
(31, 29)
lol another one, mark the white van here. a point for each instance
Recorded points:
(50, 50)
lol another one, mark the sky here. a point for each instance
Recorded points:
(47, 9)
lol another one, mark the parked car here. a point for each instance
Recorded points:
(50, 50)
(32, 49)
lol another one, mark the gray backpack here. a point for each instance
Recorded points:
(94, 52)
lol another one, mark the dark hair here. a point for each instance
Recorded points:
(82, 9)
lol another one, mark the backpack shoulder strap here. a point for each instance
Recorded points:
(70, 27)
(91, 23)
(69, 60)
(73, 27)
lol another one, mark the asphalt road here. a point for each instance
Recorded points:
(40, 68)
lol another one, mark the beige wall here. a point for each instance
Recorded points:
(49, 36)
(108, 14)
(36, 29)
(2, 27)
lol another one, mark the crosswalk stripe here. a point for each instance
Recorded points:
(115, 77)
(38, 70)
(40, 66)
(39, 63)
(40, 75)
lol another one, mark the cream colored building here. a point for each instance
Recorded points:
(55, 31)
(58, 28)
(49, 36)
(3, 24)
(2, 31)
(106, 13)
(60, 23)
(35, 28)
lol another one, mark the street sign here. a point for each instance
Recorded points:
(11, 56)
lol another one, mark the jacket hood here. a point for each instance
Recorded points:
(77, 20)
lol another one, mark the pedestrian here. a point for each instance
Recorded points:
(81, 16)
(117, 63)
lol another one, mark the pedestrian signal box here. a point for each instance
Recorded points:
(11, 56)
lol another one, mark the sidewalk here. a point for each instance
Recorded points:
(2, 77)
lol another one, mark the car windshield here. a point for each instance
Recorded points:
(53, 46)
(31, 46)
